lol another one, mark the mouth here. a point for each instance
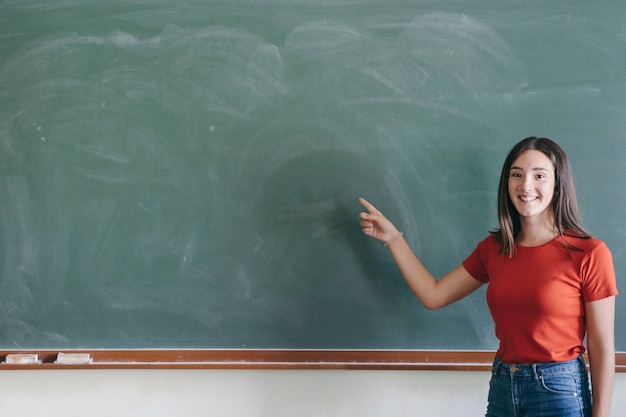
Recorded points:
(527, 199)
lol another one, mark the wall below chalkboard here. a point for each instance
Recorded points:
(185, 176)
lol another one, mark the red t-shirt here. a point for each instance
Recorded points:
(537, 297)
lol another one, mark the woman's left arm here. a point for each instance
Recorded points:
(601, 349)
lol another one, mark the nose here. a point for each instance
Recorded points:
(527, 183)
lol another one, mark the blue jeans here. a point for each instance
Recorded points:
(559, 389)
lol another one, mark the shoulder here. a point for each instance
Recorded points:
(489, 243)
(483, 251)
(592, 255)
(587, 245)
(595, 263)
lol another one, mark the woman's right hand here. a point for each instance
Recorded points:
(431, 292)
(375, 224)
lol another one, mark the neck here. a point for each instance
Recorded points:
(536, 233)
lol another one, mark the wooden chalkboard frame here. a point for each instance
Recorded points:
(267, 359)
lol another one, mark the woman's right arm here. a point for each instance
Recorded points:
(431, 292)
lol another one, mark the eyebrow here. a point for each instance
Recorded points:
(534, 169)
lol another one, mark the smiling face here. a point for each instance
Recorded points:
(531, 186)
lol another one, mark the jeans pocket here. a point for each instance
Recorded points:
(562, 383)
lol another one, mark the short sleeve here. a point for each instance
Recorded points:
(474, 264)
(598, 274)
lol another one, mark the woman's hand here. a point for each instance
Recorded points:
(375, 224)
(431, 292)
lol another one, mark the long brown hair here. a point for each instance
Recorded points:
(565, 205)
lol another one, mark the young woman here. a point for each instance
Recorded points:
(550, 284)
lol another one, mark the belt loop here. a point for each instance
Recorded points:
(535, 374)
(496, 365)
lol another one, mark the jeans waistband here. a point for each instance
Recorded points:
(535, 369)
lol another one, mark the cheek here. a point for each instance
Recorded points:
(512, 190)
(552, 192)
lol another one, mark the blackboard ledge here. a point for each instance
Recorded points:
(272, 359)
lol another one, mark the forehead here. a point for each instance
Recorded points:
(532, 160)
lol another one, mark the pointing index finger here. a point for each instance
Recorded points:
(368, 205)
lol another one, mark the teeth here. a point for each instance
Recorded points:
(528, 198)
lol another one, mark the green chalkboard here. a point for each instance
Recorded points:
(185, 174)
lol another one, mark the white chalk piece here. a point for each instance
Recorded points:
(73, 358)
(22, 359)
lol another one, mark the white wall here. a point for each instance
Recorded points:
(235, 393)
